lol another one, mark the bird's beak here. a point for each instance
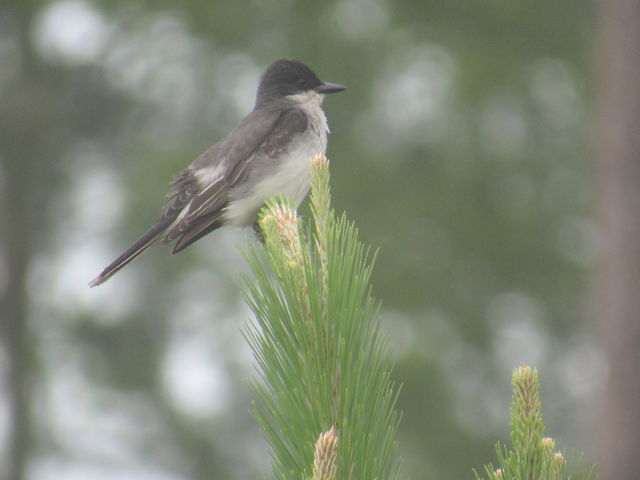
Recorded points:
(328, 87)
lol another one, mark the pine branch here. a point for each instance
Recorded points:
(533, 457)
(323, 369)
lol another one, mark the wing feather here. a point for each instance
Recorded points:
(201, 207)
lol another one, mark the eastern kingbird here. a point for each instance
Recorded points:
(267, 154)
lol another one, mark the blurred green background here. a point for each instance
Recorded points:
(459, 150)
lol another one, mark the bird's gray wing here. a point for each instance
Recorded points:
(198, 208)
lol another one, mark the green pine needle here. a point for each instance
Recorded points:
(533, 457)
(322, 366)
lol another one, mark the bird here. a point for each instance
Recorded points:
(267, 154)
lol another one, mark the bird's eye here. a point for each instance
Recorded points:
(301, 82)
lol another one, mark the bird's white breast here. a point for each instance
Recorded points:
(292, 176)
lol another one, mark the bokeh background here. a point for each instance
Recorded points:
(462, 150)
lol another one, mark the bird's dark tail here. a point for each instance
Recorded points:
(139, 246)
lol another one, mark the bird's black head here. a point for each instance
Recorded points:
(290, 77)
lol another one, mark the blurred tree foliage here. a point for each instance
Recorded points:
(459, 150)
